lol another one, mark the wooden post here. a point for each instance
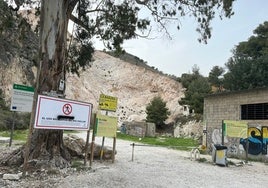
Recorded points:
(86, 146)
(222, 132)
(102, 146)
(133, 144)
(87, 140)
(93, 140)
(113, 156)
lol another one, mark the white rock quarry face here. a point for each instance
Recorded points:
(134, 86)
(135, 117)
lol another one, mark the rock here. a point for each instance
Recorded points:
(12, 176)
(76, 147)
(192, 129)
(4, 139)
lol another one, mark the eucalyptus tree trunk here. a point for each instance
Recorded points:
(46, 146)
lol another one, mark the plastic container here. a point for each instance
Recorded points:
(219, 154)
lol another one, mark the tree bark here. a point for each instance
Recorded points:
(47, 145)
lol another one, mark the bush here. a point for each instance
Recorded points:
(157, 112)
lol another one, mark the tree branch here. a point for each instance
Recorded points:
(18, 4)
(142, 2)
(71, 6)
(78, 21)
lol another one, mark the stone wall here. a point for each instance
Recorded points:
(138, 128)
(227, 106)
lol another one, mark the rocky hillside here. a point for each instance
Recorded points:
(134, 85)
(18, 50)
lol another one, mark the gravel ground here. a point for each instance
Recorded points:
(153, 167)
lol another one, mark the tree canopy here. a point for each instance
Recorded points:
(113, 21)
(215, 77)
(157, 112)
(248, 67)
(197, 87)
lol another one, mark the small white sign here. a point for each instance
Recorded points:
(22, 98)
(57, 113)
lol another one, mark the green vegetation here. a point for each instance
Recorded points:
(176, 143)
(215, 78)
(78, 164)
(21, 120)
(197, 87)
(157, 112)
(203, 160)
(19, 135)
(247, 68)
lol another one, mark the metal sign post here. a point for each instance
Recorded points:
(12, 129)
(21, 101)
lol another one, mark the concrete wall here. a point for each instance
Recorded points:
(139, 128)
(227, 106)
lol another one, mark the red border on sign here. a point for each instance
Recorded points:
(38, 126)
(67, 109)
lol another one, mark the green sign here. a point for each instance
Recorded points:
(22, 98)
(23, 88)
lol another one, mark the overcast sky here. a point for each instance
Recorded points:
(179, 55)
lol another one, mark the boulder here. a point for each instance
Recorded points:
(76, 147)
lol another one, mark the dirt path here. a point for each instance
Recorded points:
(161, 167)
(152, 167)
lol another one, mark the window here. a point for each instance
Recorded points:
(254, 111)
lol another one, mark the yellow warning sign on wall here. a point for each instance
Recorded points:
(108, 103)
(236, 129)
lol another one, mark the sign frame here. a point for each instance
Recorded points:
(106, 126)
(235, 129)
(108, 103)
(22, 98)
(50, 114)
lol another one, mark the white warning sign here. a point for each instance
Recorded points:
(57, 113)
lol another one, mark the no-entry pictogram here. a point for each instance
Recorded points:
(67, 109)
(64, 114)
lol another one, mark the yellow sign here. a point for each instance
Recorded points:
(220, 154)
(106, 126)
(236, 129)
(108, 103)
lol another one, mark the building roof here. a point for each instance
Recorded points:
(224, 93)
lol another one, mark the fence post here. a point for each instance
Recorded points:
(133, 144)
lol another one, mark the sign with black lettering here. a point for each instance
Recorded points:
(22, 98)
(57, 113)
(108, 103)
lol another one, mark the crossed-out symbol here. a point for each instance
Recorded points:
(67, 109)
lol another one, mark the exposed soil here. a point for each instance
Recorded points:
(150, 167)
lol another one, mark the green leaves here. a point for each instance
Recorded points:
(197, 87)
(248, 68)
(215, 77)
(157, 112)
